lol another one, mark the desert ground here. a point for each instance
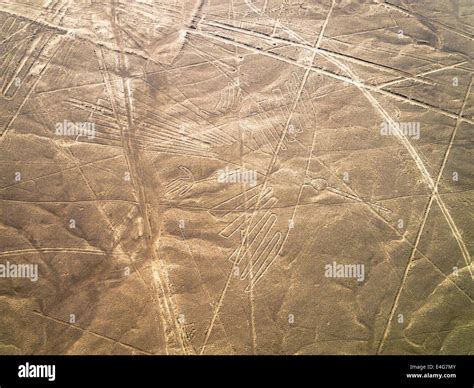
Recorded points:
(283, 177)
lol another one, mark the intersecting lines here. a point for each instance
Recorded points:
(241, 39)
(422, 226)
(178, 90)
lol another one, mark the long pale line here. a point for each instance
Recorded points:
(272, 162)
(419, 162)
(338, 77)
(422, 226)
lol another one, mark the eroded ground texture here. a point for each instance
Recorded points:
(236, 177)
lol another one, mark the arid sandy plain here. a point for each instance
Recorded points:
(236, 177)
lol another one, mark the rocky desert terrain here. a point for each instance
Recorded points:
(236, 177)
